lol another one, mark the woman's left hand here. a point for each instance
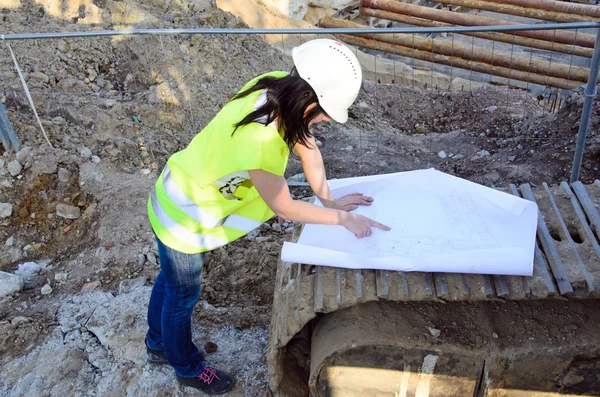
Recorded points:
(350, 202)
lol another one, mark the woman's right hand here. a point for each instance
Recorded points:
(361, 225)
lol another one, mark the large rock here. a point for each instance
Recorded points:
(28, 271)
(5, 210)
(39, 76)
(9, 284)
(68, 211)
(24, 155)
(15, 168)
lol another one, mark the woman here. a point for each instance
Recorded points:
(229, 180)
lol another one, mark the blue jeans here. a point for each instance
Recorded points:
(174, 295)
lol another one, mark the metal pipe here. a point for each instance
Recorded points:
(557, 6)
(475, 66)
(590, 93)
(502, 37)
(565, 37)
(467, 52)
(501, 27)
(543, 14)
(7, 133)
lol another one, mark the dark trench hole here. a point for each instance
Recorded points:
(555, 234)
(575, 234)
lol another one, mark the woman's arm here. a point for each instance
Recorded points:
(274, 190)
(314, 169)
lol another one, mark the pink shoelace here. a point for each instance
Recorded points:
(208, 375)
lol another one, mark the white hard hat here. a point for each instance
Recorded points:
(333, 71)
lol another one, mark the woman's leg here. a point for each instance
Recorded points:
(154, 338)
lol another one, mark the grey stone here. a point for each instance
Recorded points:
(442, 155)
(28, 270)
(91, 177)
(9, 284)
(252, 235)
(10, 241)
(434, 332)
(5, 210)
(62, 46)
(15, 168)
(19, 320)
(126, 286)
(46, 289)
(483, 153)
(85, 152)
(64, 175)
(95, 159)
(276, 227)
(61, 277)
(151, 258)
(24, 155)
(39, 76)
(2, 162)
(68, 211)
(319, 143)
(141, 260)
(108, 103)
(512, 158)
(58, 120)
(362, 105)
(297, 178)
(490, 108)
(458, 157)
(348, 148)
(45, 165)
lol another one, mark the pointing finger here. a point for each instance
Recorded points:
(380, 226)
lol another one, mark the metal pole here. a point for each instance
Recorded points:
(590, 93)
(7, 133)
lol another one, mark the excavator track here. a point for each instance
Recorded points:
(342, 332)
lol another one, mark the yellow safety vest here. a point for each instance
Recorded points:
(187, 211)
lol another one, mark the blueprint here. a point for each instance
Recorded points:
(440, 223)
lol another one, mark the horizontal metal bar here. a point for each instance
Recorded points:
(199, 31)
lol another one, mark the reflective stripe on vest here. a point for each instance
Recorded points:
(181, 200)
(194, 211)
(204, 241)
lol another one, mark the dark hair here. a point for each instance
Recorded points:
(287, 100)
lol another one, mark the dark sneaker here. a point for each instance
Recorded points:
(158, 356)
(211, 381)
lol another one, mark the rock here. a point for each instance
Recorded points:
(5, 210)
(45, 165)
(10, 241)
(64, 175)
(91, 74)
(126, 286)
(108, 103)
(494, 335)
(46, 289)
(252, 235)
(492, 177)
(129, 319)
(85, 152)
(24, 155)
(68, 211)
(28, 270)
(490, 108)
(14, 168)
(71, 85)
(39, 76)
(420, 129)
(2, 162)
(19, 320)
(297, 178)
(442, 155)
(458, 157)
(289, 229)
(62, 46)
(58, 120)
(319, 143)
(61, 277)
(348, 148)
(276, 227)
(90, 286)
(211, 347)
(91, 177)
(362, 105)
(95, 159)
(151, 258)
(483, 153)
(9, 284)
(434, 332)
(512, 158)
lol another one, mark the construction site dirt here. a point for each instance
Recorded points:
(77, 232)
